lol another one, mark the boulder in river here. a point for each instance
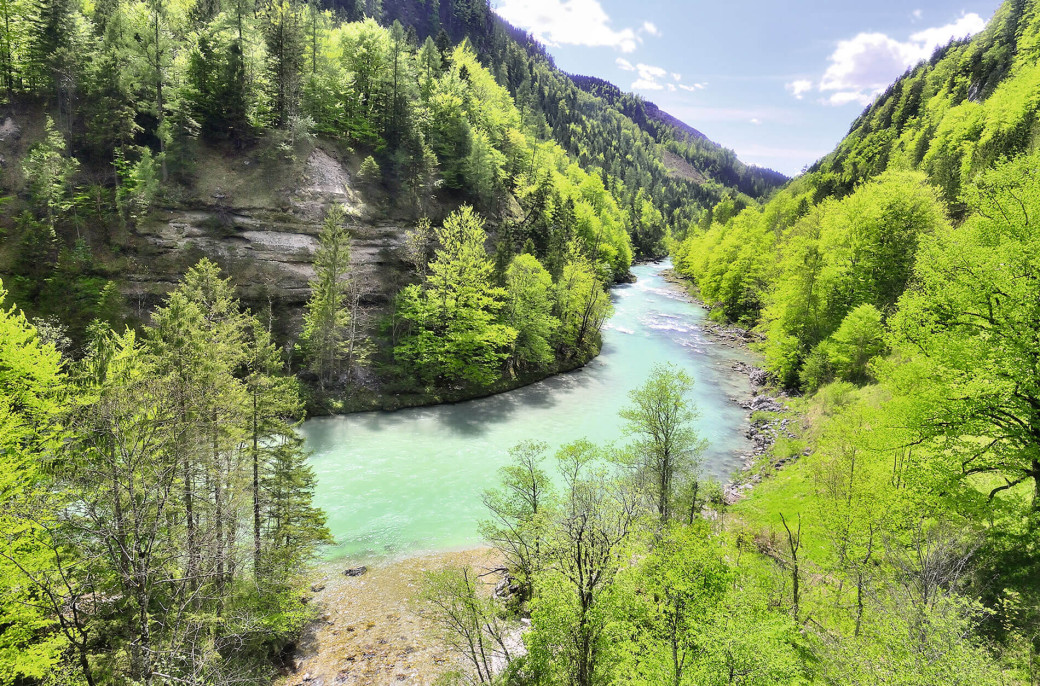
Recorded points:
(356, 571)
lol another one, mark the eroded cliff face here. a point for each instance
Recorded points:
(259, 218)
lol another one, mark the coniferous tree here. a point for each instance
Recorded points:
(283, 34)
(14, 30)
(456, 334)
(273, 404)
(48, 171)
(31, 389)
(327, 316)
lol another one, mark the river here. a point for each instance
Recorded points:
(397, 484)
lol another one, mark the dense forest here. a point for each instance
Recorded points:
(893, 285)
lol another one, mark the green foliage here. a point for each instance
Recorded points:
(48, 172)
(138, 185)
(966, 334)
(519, 512)
(529, 305)
(295, 529)
(927, 645)
(582, 305)
(283, 36)
(369, 172)
(845, 233)
(31, 387)
(800, 272)
(325, 335)
(574, 596)
(609, 604)
(847, 353)
(683, 582)
(132, 489)
(217, 89)
(456, 335)
(858, 340)
(666, 451)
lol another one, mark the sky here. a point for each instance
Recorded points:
(779, 82)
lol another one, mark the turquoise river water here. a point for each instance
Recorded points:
(401, 483)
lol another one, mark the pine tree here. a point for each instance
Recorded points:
(327, 317)
(283, 34)
(14, 27)
(294, 528)
(48, 172)
(274, 403)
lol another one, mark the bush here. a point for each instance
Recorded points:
(370, 173)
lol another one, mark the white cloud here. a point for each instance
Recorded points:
(917, 14)
(756, 121)
(651, 28)
(650, 71)
(799, 88)
(694, 88)
(929, 39)
(646, 85)
(568, 22)
(649, 78)
(862, 67)
(624, 64)
(671, 88)
(676, 77)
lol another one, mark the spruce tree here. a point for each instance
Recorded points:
(327, 317)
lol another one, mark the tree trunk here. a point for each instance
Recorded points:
(794, 540)
(218, 500)
(160, 104)
(189, 516)
(1034, 515)
(256, 489)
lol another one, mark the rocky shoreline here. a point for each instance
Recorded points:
(766, 407)
(766, 413)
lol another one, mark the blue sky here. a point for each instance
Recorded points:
(778, 82)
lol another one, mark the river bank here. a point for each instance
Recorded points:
(769, 415)
(366, 398)
(369, 631)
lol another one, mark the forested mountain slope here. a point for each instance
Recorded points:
(845, 233)
(139, 137)
(895, 285)
(590, 128)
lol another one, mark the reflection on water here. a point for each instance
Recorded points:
(400, 483)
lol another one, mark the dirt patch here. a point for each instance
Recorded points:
(325, 180)
(325, 175)
(369, 632)
(9, 131)
(680, 168)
